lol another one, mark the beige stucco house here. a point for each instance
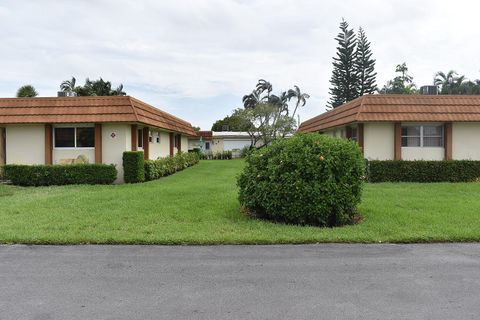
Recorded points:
(219, 141)
(406, 127)
(58, 130)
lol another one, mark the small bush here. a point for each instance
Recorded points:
(423, 171)
(47, 175)
(155, 169)
(133, 166)
(221, 155)
(306, 179)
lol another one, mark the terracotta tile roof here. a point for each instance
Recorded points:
(205, 134)
(414, 108)
(89, 109)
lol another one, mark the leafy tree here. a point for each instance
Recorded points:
(344, 77)
(401, 84)
(196, 129)
(267, 116)
(26, 91)
(98, 87)
(365, 66)
(234, 122)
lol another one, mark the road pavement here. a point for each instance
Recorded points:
(325, 281)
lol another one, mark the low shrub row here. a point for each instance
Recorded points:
(136, 169)
(155, 169)
(224, 155)
(423, 171)
(47, 175)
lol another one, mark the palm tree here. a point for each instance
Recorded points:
(68, 85)
(251, 100)
(447, 81)
(300, 96)
(26, 91)
(262, 86)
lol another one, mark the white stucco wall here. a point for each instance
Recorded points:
(337, 132)
(231, 144)
(378, 141)
(466, 141)
(59, 154)
(162, 149)
(184, 143)
(116, 138)
(193, 143)
(217, 145)
(25, 144)
(425, 153)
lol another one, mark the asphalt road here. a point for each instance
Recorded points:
(435, 281)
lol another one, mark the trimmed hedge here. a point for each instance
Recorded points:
(306, 179)
(423, 171)
(133, 166)
(155, 169)
(47, 175)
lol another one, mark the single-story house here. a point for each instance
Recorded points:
(202, 141)
(219, 141)
(60, 130)
(406, 127)
(230, 141)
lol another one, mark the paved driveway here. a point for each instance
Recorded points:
(439, 281)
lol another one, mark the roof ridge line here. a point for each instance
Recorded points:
(133, 108)
(361, 108)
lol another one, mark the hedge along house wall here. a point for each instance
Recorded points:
(423, 171)
(47, 175)
(155, 169)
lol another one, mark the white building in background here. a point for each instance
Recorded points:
(217, 142)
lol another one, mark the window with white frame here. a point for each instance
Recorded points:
(158, 137)
(74, 137)
(422, 136)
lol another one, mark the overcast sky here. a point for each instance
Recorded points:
(196, 59)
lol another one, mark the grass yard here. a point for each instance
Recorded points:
(199, 206)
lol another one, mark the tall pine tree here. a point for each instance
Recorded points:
(365, 66)
(344, 78)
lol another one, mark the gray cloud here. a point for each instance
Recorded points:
(197, 58)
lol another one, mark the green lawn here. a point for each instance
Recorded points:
(199, 206)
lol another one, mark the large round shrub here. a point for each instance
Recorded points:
(307, 179)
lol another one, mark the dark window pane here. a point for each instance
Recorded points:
(432, 142)
(140, 138)
(432, 131)
(411, 131)
(207, 145)
(410, 141)
(85, 137)
(64, 137)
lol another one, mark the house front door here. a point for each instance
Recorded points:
(2, 146)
